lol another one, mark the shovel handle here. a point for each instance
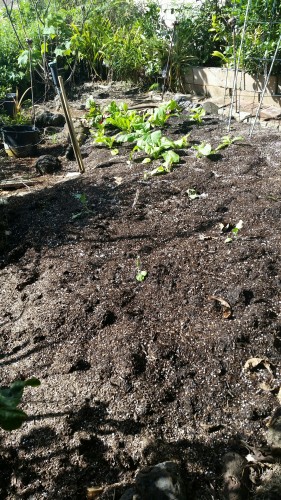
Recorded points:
(54, 72)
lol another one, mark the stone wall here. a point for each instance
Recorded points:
(219, 83)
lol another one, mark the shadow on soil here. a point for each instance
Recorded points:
(90, 462)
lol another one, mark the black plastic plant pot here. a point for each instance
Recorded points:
(20, 140)
(9, 104)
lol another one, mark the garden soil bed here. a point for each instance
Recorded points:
(136, 373)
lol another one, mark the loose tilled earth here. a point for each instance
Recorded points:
(136, 373)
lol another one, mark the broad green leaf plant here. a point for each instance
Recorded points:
(12, 417)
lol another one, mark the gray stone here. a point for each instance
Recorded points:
(210, 107)
(273, 435)
(48, 119)
(160, 482)
(183, 101)
(52, 130)
(233, 470)
(48, 164)
(129, 494)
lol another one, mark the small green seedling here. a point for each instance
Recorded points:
(85, 207)
(11, 417)
(141, 274)
(235, 230)
(227, 141)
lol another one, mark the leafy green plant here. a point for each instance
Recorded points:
(140, 274)
(227, 141)
(94, 114)
(85, 211)
(154, 87)
(197, 114)
(161, 114)
(204, 150)
(12, 417)
(136, 128)
(155, 144)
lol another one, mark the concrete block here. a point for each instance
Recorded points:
(188, 76)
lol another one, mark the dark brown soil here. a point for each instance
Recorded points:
(134, 373)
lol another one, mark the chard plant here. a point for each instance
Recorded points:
(160, 116)
(227, 141)
(196, 115)
(204, 150)
(155, 144)
(137, 129)
(12, 417)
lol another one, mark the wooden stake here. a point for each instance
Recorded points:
(69, 122)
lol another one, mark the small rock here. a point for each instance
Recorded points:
(233, 469)
(130, 494)
(274, 432)
(160, 482)
(52, 130)
(48, 119)
(48, 164)
(184, 101)
(211, 108)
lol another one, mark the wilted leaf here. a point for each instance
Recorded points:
(192, 194)
(93, 492)
(226, 307)
(253, 364)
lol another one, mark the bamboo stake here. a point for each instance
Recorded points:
(69, 122)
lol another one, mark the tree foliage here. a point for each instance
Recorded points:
(122, 39)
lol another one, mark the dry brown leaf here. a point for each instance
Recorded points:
(93, 492)
(226, 307)
(256, 363)
(269, 388)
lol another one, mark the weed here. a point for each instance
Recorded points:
(85, 206)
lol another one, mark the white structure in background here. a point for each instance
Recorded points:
(169, 9)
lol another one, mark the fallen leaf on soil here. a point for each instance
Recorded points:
(258, 363)
(118, 180)
(93, 492)
(279, 395)
(269, 388)
(226, 307)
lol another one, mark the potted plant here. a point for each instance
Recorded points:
(19, 136)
